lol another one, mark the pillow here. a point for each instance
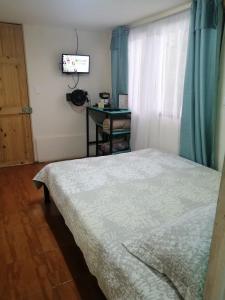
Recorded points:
(180, 250)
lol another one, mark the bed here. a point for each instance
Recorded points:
(108, 201)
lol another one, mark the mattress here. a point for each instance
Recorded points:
(108, 200)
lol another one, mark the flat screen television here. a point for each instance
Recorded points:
(73, 63)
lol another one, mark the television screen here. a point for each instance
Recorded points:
(75, 63)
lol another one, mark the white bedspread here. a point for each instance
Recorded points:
(108, 200)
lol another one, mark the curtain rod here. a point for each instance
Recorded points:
(160, 15)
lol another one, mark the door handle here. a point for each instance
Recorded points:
(27, 110)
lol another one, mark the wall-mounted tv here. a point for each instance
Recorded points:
(72, 63)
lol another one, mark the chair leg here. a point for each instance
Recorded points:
(96, 140)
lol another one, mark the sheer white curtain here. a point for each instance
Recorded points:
(157, 59)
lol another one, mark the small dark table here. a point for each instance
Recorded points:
(98, 115)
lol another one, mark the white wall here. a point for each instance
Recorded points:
(58, 131)
(221, 114)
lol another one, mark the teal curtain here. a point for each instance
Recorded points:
(198, 121)
(119, 62)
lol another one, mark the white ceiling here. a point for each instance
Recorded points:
(89, 14)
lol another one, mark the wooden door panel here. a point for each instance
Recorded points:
(13, 83)
(16, 145)
(23, 84)
(10, 94)
(7, 40)
(11, 132)
(28, 138)
(11, 37)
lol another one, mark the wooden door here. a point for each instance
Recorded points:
(16, 145)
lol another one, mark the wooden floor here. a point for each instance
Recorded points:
(38, 256)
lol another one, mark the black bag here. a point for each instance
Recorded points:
(77, 97)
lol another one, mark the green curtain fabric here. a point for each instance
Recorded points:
(198, 121)
(119, 62)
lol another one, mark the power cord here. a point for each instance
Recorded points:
(75, 82)
(77, 40)
(73, 75)
(76, 108)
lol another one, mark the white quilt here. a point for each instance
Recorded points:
(108, 200)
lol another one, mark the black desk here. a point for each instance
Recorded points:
(98, 115)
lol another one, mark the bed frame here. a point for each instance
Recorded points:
(215, 280)
(46, 194)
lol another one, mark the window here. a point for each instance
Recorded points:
(157, 60)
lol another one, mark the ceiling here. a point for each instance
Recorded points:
(88, 14)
